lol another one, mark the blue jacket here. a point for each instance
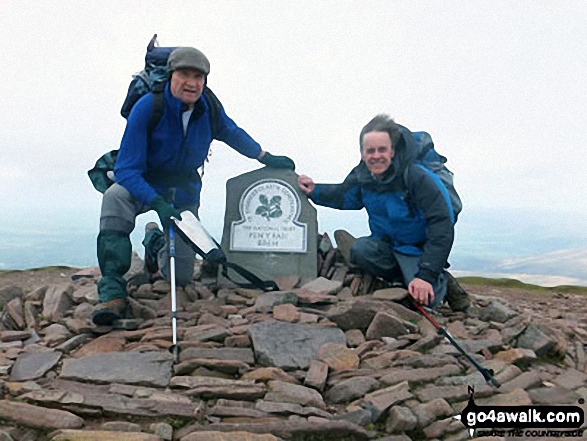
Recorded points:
(417, 220)
(169, 154)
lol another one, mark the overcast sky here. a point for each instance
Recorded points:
(499, 84)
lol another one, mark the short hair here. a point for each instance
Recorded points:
(382, 123)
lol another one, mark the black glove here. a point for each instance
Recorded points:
(165, 210)
(277, 161)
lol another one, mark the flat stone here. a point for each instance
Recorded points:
(338, 357)
(322, 285)
(381, 400)
(8, 336)
(15, 311)
(101, 435)
(351, 389)
(298, 429)
(450, 393)
(526, 380)
(148, 368)
(266, 374)
(517, 397)
(271, 407)
(266, 301)
(496, 312)
(182, 381)
(57, 300)
(293, 393)
(550, 395)
(41, 417)
(571, 379)
(85, 293)
(419, 374)
(228, 366)
(163, 430)
(239, 354)
(237, 341)
(288, 345)
(306, 297)
(30, 366)
(8, 293)
(228, 436)
(354, 337)
(475, 379)
(400, 419)
(538, 338)
(391, 294)
(386, 325)
(211, 332)
(286, 313)
(352, 315)
(427, 413)
(233, 411)
(251, 393)
(101, 345)
(317, 375)
(517, 356)
(121, 426)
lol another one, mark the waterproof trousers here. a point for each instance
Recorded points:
(378, 258)
(117, 220)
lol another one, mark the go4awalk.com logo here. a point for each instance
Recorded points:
(522, 421)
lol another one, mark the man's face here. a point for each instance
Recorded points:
(187, 85)
(377, 152)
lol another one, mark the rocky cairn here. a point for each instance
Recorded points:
(339, 357)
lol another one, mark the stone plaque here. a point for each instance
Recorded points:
(270, 228)
(269, 211)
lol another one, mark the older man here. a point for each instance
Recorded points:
(412, 223)
(156, 169)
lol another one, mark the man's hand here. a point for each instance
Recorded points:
(421, 291)
(165, 210)
(276, 161)
(306, 184)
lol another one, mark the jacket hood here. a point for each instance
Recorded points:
(405, 154)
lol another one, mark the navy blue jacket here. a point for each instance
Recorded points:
(169, 152)
(417, 221)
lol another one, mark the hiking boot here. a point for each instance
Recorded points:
(456, 296)
(108, 312)
(153, 241)
(344, 241)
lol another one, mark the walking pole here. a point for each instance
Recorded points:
(174, 349)
(487, 373)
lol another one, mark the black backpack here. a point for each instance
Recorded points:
(152, 79)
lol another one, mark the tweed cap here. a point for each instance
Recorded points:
(188, 58)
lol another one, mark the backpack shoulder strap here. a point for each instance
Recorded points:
(215, 109)
(157, 106)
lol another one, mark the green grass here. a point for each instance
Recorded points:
(513, 283)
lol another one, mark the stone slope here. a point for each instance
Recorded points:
(338, 357)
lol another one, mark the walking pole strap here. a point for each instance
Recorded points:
(256, 282)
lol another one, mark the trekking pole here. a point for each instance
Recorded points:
(487, 373)
(174, 349)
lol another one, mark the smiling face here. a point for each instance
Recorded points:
(187, 85)
(377, 152)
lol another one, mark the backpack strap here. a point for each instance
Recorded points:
(215, 109)
(157, 106)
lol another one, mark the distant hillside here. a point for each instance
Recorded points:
(568, 263)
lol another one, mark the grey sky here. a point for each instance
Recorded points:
(499, 84)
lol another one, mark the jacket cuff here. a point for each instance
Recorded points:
(427, 275)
